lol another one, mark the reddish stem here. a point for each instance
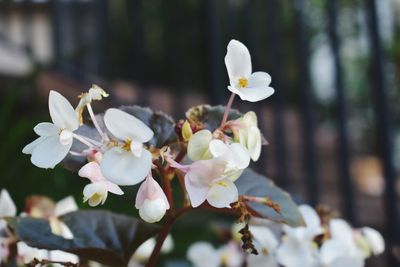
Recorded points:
(163, 235)
(227, 109)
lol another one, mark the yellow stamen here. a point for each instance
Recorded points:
(243, 82)
(127, 145)
(222, 183)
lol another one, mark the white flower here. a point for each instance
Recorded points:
(231, 255)
(94, 93)
(248, 134)
(341, 249)
(374, 240)
(235, 155)
(198, 146)
(26, 254)
(205, 180)
(297, 246)
(203, 254)
(130, 163)
(266, 244)
(55, 139)
(142, 254)
(97, 191)
(7, 207)
(151, 201)
(249, 86)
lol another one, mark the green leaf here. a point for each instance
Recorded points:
(162, 125)
(100, 236)
(254, 184)
(210, 116)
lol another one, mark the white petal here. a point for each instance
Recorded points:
(49, 152)
(255, 94)
(254, 143)
(136, 148)
(125, 126)
(66, 137)
(28, 149)
(62, 113)
(261, 260)
(222, 194)
(95, 193)
(340, 229)
(65, 206)
(259, 79)
(144, 250)
(123, 168)
(46, 129)
(331, 250)
(237, 61)
(203, 254)
(153, 210)
(198, 146)
(264, 238)
(113, 188)
(250, 119)
(168, 245)
(219, 148)
(374, 240)
(197, 193)
(291, 252)
(240, 156)
(312, 220)
(7, 206)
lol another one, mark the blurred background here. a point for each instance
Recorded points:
(333, 124)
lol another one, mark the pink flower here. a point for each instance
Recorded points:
(96, 192)
(206, 180)
(151, 200)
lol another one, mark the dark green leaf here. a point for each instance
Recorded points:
(210, 116)
(254, 184)
(100, 236)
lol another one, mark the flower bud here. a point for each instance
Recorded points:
(151, 201)
(186, 131)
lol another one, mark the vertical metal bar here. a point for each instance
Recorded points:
(275, 68)
(216, 93)
(56, 10)
(384, 138)
(102, 36)
(341, 109)
(306, 99)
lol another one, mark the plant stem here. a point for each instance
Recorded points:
(227, 109)
(163, 235)
(94, 120)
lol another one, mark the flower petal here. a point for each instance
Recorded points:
(255, 94)
(312, 220)
(123, 168)
(198, 146)
(240, 156)
(264, 237)
(49, 152)
(259, 79)
(254, 143)
(153, 210)
(62, 113)
(95, 193)
(28, 149)
(203, 254)
(46, 129)
(92, 171)
(113, 188)
(222, 194)
(197, 193)
(237, 61)
(125, 126)
(65, 206)
(374, 240)
(7, 206)
(149, 189)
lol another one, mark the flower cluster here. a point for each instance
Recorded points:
(331, 244)
(120, 155)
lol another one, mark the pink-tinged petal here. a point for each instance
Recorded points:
(206, 171)
(151, 190)
(172, 163)
(113, 188)
(197, 193)
(92, 171)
